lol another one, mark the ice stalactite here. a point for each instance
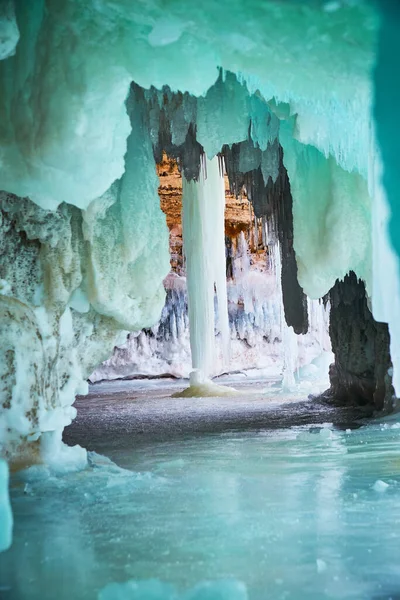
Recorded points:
(224, 112)
(289, 338)
(240, 273)
(331, 216)
(76, 59)
(135, 255)
(318, 312)
(203, 237)
(9, 33)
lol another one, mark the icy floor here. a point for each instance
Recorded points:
(298, 513)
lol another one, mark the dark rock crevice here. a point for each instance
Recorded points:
(273, 201)
(294, 299)
(362, 370)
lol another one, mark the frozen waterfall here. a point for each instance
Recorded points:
(204, 247)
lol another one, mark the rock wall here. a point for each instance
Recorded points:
(239, 217)
(362, 372)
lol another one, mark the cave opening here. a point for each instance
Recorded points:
(199, 300)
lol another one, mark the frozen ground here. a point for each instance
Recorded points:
(120, 415)
(291, 498)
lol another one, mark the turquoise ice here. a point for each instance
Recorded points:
(6, 518)
(293, 513)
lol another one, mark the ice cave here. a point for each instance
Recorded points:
(199, 300)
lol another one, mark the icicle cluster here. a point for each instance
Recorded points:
(257, 328)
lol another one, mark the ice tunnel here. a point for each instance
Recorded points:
(197, 191)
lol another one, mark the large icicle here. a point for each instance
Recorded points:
(331, 217)
(203, 231)
(289, 338)
(6, 518)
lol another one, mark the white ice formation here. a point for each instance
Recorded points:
(261, 343)
(204, 247)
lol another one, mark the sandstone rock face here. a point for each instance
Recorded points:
(239, 216)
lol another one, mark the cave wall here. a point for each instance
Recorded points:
(71, 281)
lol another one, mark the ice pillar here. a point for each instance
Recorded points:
(6, 519)
(289, 338)
(204, 247)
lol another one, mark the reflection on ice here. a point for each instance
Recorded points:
(294, 513)
(153, 589)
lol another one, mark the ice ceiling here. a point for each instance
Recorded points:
(84, 244)
(64, 122)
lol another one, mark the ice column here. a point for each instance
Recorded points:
(289, 338)
(6, 519)
(319, 322)
(241, 271)
(204, 247)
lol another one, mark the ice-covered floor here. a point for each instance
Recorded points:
(118, 416)
(291, 510)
